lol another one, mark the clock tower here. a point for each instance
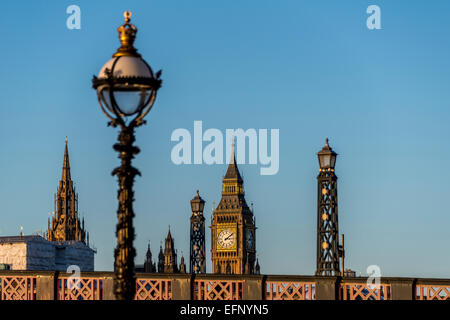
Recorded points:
(233, 246)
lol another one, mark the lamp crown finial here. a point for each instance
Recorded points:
(127, 15)
(127, 35)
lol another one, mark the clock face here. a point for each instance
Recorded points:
(226, 239)
(249, 239)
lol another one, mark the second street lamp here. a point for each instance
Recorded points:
(126, 90)
(328, 248)
(197, 259)
(327, 157)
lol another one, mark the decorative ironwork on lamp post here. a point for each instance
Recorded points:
(328, 248)
(197, 259)
(126, 89)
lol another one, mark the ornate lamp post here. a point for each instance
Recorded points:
(126, 89)
(197, 256)
(328, 249)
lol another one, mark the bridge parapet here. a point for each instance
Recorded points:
(432, 289)
(48, 285)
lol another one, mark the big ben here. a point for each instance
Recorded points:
(233, 246)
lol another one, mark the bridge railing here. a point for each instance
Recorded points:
(83, 288)
(433, 289)
(46, 285)
(290, 288)
(18, 287)
(361, 289)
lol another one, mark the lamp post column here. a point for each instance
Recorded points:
(125, 282)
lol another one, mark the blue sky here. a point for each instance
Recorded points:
(311, 69)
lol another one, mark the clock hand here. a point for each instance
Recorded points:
(228, 237)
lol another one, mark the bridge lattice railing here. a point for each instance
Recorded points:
(79, 288)
(433, 292)
(18, 288)
(153, 289)
(364, 291)
(290, 290)
(217, 290)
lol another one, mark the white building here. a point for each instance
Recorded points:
(36, 253)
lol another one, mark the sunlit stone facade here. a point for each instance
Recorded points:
(36, 253)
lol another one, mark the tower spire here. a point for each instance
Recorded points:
(170, 255)
(148, 264)
(233, 171)
(66, 225)
(257, 267)
(66, 166)
(233, 157)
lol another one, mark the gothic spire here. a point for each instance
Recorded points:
(169, 236)
(257, 267)
(170, 255)
(66, 225)
(233, 157)
(233, 171)
(66, 166)
(149, 252)
(160, 259)
(182, 265)
(148, 263)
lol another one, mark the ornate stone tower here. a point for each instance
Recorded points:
(328, 249)
(65, 224)
(161, 260)
(233, 246)
(182, 265)
(197, 259)
(148, 264)
(170, 256)
(257, 267)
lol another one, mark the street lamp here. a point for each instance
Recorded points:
(197, 257)
(327, 157)
(197, 204)
(328, 249)
(126, 89)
